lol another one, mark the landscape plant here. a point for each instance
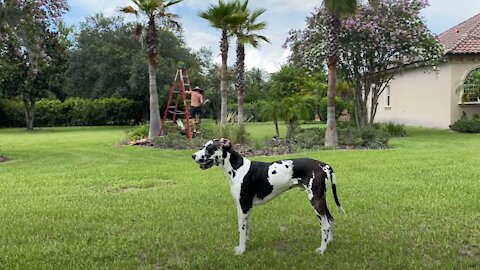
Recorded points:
(246, 34)
(155, 11)
(226, 17)
(401, 40)
(31, 56)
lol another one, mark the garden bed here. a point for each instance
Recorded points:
(243, 149)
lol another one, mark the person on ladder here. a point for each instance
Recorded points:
(196, 103)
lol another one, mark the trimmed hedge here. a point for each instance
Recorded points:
(73, 112)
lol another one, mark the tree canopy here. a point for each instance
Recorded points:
(377, 43)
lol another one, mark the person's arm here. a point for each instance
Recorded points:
(188, 92)
(201, 99)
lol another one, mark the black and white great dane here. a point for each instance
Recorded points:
(253, 183)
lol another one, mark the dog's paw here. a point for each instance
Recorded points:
(321, 249)
(239, 250)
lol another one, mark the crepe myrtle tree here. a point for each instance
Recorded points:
(27, 35)
(24, 23)
(376, 43)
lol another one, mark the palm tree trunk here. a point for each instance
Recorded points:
(331, 136)
(240, 82)
(154, 128)
(224, 78)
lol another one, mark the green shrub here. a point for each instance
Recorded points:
(393, 129)
(373, 138)
(467, 125)
(73, 112)
(138, 132)
(309, 138)
(235, 133)
(11, 113)
(348, 135)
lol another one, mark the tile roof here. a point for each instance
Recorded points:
(463, 38)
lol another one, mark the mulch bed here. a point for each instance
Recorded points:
(242, 149)
(3, 159)
(247, 151)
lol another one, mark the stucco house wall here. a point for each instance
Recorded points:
(428, 99)
(418, 98)
(433, 99)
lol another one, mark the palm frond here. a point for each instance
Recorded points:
(128, 10)
(172, 2)
(140, 34)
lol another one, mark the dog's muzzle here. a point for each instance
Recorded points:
(204, 164)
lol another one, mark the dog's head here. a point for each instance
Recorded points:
(212, 153)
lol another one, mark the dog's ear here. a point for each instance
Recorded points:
(225, 143)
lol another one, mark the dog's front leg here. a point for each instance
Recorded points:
(242, 230)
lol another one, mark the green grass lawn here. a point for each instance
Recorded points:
(71, 198)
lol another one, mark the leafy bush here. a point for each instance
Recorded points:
(373, 138)
(309, 138)
(73, 112)
(236, 133)
(11, 113)
(467, 125)
(138, 132)
(348, 135)
(393, 129)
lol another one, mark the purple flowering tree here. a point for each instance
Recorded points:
(376, 43)
(28, 42)
(24, 23)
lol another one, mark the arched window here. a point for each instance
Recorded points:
(471, 86)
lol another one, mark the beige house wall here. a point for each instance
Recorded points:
(428, 99)
(419, 98)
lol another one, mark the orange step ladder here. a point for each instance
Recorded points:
(180, 82)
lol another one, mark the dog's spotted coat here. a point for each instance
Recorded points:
(254, 183)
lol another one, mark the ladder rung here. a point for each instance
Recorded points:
(172, 107)
(178, 112)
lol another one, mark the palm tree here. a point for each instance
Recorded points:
(224, 16)
(295, 108)
(335, 9)
(245, 35)
(154, 10)
(271, 110)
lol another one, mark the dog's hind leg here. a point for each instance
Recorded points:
(316, 191)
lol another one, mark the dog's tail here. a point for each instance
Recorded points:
(331, 177)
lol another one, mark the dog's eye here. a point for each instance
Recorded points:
(210, 150)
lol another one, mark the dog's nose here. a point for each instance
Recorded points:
(193, 156)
